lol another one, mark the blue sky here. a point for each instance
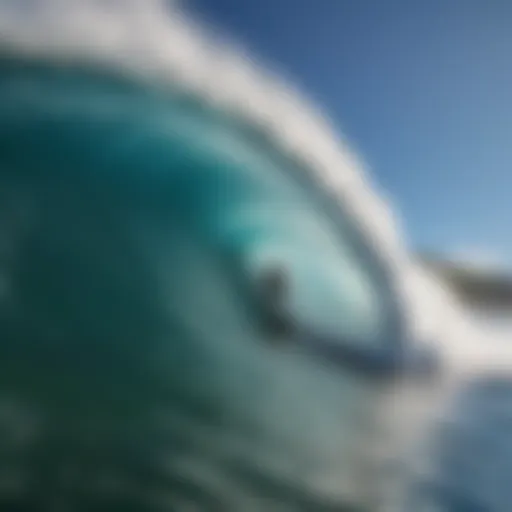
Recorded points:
(423, 89)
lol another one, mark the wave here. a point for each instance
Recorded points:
(155, 45)
(153, 42)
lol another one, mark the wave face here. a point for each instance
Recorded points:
(134, 374)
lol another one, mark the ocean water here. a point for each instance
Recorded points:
(474, 444)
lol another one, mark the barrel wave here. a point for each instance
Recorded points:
(151, 179)
(135, 375)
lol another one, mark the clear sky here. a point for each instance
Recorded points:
(422, 88)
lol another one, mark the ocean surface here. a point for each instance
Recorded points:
(475, 445)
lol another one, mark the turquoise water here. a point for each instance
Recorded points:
(134, 225)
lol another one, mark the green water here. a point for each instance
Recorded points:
(134, 225)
